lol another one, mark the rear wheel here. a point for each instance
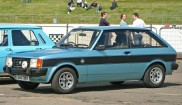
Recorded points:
(154, 76)
(27, 85)
(64, 81)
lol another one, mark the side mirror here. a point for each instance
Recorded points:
(101, 47)
(82, 34)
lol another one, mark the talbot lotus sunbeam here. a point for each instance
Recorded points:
(96, 54)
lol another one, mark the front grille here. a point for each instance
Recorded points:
(17, 62)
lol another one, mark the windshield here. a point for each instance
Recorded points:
(78, 38)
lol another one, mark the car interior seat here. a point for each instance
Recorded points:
(5, 40)
(121, 40)
(19, 38)
(138, 39)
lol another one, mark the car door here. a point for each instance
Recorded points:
(111, 57)
(24, 40)
(5, 47)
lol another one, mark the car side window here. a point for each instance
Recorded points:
(42, 39)
(115, 39)
(24, 38)
(143, 39)
(3, 38)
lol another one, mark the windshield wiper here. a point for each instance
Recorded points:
(55, 46)
(63, 46)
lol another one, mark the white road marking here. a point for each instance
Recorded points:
(1, 94)
(166, 94)
(127, 102)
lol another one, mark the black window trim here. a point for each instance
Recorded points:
(41, 38)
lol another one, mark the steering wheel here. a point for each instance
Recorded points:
(72, 43)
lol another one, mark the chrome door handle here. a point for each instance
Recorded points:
(8, 49)
(38, 48)
(127, 52)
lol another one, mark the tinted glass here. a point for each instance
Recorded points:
(113, 39)
(24, 38)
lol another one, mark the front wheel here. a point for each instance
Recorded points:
(64, 81)
(27, 85)
(154, 76)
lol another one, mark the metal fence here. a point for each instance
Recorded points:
(173, 35)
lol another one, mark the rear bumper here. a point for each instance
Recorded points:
(174, 66)
(28, 71)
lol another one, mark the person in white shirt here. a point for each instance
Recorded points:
(79, 3)
(137, 21)
(137, 36)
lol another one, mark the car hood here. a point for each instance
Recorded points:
(53, 53)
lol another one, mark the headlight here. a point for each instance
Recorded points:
(24, 64)
(9, 62)
(36, 63)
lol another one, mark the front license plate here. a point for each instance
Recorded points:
(22, 77)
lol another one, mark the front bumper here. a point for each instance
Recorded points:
(28, 71)
(174, 66)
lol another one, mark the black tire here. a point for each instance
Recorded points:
(117, 83)
(154, 76)
(27, 85)
(67, 84)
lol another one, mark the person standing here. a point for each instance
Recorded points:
(137, 21)
(137, 36)
(123, 20)
(103, 21)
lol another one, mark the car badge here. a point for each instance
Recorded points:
(82, 61)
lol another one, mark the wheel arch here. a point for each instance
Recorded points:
(154, 63)
(64, 66)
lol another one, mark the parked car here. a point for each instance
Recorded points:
(19, 38)
(96, 54)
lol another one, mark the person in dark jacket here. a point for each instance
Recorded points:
(103, 21)
(114, 5)
(94, 4)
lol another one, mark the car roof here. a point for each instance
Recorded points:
(15, 26)
(110, 28)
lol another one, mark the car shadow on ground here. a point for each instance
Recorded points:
(6, 81)
(96, 87)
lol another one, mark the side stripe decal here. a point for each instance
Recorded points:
(108, 60)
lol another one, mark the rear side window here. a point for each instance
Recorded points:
(24, 38)
(144, 39)
(3, 38)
